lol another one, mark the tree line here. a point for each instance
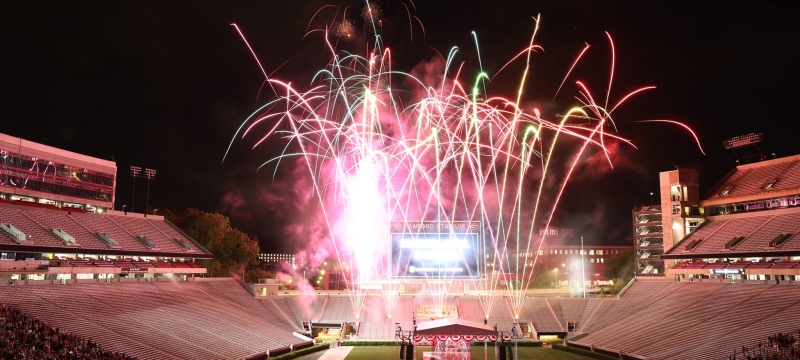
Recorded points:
(233, 250)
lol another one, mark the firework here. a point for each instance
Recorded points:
(383, 145)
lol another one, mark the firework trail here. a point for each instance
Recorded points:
(383, 145)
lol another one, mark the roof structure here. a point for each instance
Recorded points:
(773, 233)
(453, 326)
(757, 181)
(33, 230)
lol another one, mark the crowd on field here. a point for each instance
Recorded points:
(25, 337)
(777, 347)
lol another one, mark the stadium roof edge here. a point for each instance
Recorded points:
(82, 251)
(751, 254)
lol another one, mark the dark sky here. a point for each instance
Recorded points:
(165, 85)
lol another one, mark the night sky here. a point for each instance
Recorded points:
(164, 85)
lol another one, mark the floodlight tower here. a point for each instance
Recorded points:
(136, 171)
(149, 174)
(746, 148)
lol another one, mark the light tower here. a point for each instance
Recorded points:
(136, 171)
(149, 174)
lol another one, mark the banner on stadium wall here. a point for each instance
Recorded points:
(132, 271)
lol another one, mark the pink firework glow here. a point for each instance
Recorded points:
(382, 145)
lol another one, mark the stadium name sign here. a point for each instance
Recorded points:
(439, 226)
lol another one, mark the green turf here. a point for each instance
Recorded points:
(390, 353)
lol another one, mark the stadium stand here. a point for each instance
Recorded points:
(470, 308)
(756, 230)
(337, 309)
(645, 292)
(307, 307)
(500, 314)
(692, 320)
(572, 310)
(211, 319)
(376, 323)
(85, 229)
(750, 179)
(218, 318)
(25, 337)
(544, 320)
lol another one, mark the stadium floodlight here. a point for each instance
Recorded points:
(743, 140)
(746, 147)
(149, 174)
(136, 171)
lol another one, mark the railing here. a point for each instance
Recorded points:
(622, 292)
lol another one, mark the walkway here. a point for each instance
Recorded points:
(337, 353)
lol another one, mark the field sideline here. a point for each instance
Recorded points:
(390, 352)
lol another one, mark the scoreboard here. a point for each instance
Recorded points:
(435, 250)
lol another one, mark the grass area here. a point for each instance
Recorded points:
(390, 352)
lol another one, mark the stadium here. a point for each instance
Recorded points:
(422, 204)
(719, 273)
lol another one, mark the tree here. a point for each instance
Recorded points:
(620, 268)
(256, 274)
(541, 278)
(233, 250)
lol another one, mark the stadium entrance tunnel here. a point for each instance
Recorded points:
(559, 334)
(328, 331)
(551, 339)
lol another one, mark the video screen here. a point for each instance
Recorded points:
(435, 255)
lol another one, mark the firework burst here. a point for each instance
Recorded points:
(383, 145)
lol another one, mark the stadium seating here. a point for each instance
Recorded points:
(217, 318)
(750, 179)
(708, 316)
(572, 310)
(82, 236)
(97, 224)
(735, 227)
(472, 308)
(609, 311)
(757, 233)
(500, 314)
(171, 320)
(141, 227)
(703, 232)
(36, 232)
(303, 307)
(376, 323)
(37, 225)
(338, 308)
(538, 311)
(759, 265)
